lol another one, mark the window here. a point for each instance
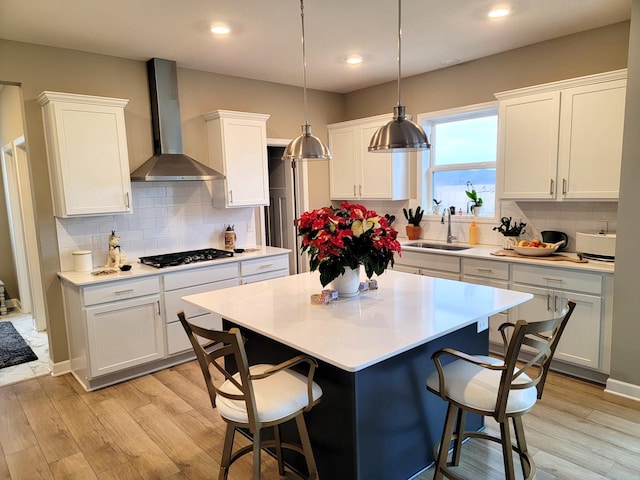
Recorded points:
(463, 152)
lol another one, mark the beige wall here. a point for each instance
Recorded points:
(39, 68)
(594, 51)
(626, 325)
(10, 129)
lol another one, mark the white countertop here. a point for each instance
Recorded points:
(139, 270)
(485, 251)
(352, 334)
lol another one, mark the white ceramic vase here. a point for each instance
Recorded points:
(348, 284)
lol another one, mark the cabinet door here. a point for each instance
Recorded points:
(88, 157)
(590, 152)
(528, 145)
(245, 144)
(581, 340)
(124, 334)
(343, 167)
(494, 320)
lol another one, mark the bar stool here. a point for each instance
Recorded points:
(255, 397)
(502, 389)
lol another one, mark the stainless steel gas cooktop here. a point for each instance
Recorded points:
(184, 258)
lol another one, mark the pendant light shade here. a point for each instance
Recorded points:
(306, 146)
(400, 134)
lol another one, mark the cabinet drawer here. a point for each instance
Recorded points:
(485, 268)
(262, 265)
(259, 277)
(558, 279)
(123, 290)
(177, 340)
(430, 261)
(173, 299)
(199, 276)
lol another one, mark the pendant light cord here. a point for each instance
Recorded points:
(399, 47)
(304, 66)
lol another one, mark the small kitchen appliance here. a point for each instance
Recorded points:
(596, 246)
(185, 258)
(554, 236)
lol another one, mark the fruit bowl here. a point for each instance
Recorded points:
(544, 250)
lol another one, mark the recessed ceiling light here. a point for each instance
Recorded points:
(220, 29)
(354, 59)
(499, 12)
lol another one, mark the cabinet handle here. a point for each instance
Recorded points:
(126, 200)
(266, 265)
(359, 190)
(230, 196)
(548, 302)
(552, 279)
(122, 292)
(158, 303)
(354, 190)
(564, 186)
(484, 270)
(551, 182)
(555, 303)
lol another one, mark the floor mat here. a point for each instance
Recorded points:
(13, 348)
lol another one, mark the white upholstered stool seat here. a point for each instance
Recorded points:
(504, 389)
(476, 387)
(271, 403)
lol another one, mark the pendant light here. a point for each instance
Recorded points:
(400, 134)
(306, 146)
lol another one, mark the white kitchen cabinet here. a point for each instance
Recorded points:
(190, 282)
(260, 269)
(562, 140)
(358, 174)
(238, 149)
(113, 326)
(581, 343)
(493, 274)
(429, 264)
(87, 153)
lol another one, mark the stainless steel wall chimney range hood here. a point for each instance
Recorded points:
(168, 162)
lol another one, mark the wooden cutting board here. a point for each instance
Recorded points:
(557, 257)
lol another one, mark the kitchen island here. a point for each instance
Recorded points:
(376, 419)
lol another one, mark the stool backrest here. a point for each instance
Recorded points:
(542, 337)
(222, 344)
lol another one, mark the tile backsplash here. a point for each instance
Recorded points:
(167, 217)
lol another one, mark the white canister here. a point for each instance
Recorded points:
(82, 261)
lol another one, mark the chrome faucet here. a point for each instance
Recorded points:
(450, 237)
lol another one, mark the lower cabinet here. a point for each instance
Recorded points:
(124, 334)
(113, 326)
(190, 282)
(429, 264)
(261, 269)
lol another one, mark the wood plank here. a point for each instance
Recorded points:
(29, 464)
(161, 396)
(52, 433)
(15, 431)
(73, 467)
(100, 450)
(126, 471)
(143, 453)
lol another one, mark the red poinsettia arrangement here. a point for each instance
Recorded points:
(347, 237)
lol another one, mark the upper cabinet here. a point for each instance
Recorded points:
(238, 149)
(87, 153)
(358, 174)
(562, 140)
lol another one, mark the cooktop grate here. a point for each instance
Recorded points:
(185, 258)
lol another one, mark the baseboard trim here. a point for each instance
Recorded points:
(59, 368)
(623, 389)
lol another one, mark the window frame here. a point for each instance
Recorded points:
(425, 158)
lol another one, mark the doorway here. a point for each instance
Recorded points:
(287, 192)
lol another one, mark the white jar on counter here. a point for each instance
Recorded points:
(82, 261)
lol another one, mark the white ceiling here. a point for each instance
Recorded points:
(265, 43)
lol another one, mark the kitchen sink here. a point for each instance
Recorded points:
(437, 246)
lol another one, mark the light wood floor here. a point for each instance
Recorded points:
(162, 426)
